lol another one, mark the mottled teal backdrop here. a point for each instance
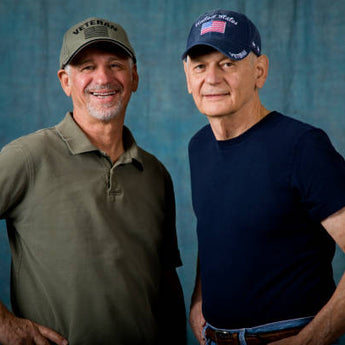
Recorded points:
(304, 40)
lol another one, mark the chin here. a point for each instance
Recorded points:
(215, 111)
(104, 115)
(214, 114)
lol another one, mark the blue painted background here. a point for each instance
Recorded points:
(304, 40)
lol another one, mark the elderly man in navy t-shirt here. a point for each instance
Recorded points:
(269, 196)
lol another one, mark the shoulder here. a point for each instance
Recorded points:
(304, 133)
(202, 137)
(290, 125)
(289, 131)
(23, 156)
(35, 143)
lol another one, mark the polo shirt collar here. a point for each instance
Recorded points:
(78, 143)
(132, 153)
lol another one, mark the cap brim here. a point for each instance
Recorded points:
(202, 43)
(85, 45)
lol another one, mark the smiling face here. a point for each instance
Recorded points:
(100, 82)
(221, 86)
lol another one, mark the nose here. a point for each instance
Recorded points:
(102, 75)
(213, 74)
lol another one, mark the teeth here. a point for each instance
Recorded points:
(103, 94)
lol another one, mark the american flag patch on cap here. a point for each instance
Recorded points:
(96, 31)
(213, 26)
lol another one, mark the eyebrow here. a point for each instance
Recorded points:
(200, 59)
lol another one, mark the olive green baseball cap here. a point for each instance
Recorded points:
(90, 31)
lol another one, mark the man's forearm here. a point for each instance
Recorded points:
(196, 318)
(329, 323)
(196, 296)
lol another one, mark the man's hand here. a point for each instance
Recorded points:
(17, 331)
(197, 321)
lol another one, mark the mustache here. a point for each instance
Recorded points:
(108, 87)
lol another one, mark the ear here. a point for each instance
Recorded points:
(261, 67)
(135, 77)
(65, 81)
(185, 66)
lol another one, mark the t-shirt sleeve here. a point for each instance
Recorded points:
(319, 175)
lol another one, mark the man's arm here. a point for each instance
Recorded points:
(14, 181)
(329, 323)
(196, 318)
(14, 331)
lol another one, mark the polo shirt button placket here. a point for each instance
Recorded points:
(113, 186)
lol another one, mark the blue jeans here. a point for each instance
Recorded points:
(275, 326)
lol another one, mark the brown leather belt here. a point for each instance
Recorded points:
(227, 338)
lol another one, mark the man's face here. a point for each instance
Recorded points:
(100, 83)
(221, 86)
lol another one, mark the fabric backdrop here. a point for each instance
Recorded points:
(304, 40)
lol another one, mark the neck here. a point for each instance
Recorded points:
(231, 126)
(105, 135)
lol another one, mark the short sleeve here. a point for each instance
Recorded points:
(14, 177)
(318, 174)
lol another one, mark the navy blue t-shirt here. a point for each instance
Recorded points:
(259, 199)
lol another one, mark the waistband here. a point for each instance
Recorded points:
(258, 335)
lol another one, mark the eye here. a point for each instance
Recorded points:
(199, 67)
(87, 68)
(116, 65)
(227, 64)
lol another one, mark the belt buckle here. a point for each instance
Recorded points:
(222, 335)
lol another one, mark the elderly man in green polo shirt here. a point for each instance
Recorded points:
(90, 215)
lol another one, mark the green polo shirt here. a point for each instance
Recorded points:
(89, 238)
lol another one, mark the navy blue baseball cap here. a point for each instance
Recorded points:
(231, 33)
